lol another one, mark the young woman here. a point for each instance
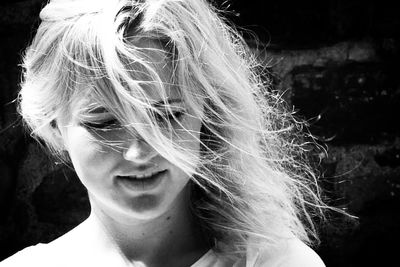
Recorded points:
(186, 156)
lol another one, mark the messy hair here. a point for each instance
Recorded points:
(250, 183)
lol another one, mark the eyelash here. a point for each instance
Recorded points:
(102, 125)
(114, 123)
(174, 116)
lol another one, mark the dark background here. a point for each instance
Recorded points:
(336, 61)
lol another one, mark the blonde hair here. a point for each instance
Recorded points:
(251, 184)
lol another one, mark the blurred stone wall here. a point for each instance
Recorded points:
(350, 95)
(338, 75)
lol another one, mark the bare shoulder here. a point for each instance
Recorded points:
(299, 254)
(46, 254)
(82, 246)
(291, 253)
(29, 256)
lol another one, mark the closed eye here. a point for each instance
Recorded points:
(171, 117)
(103, 124)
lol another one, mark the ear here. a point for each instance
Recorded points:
(53, 124)
(57, 135)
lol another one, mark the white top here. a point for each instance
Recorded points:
(76, 249)
(45, 256)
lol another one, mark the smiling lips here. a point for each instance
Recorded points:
(142, 182)
(141, 176)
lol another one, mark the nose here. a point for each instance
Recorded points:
(139, 151)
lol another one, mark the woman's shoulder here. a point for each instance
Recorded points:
(59, 252)
(290, 253)
(30, 256)
(79, 247)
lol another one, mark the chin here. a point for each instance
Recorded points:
(146, 205)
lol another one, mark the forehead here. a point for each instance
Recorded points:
(155, 53)
(152, 53)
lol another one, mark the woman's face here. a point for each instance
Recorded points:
(131, 179)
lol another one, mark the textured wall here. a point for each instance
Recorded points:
(337, 64)
(350, 94)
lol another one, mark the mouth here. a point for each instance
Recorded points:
(142, 176)
(142, 182)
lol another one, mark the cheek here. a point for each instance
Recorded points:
(88, 156)
(190, 137)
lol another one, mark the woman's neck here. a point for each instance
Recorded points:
(154, 242)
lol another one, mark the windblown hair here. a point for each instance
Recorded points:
(251, 184)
